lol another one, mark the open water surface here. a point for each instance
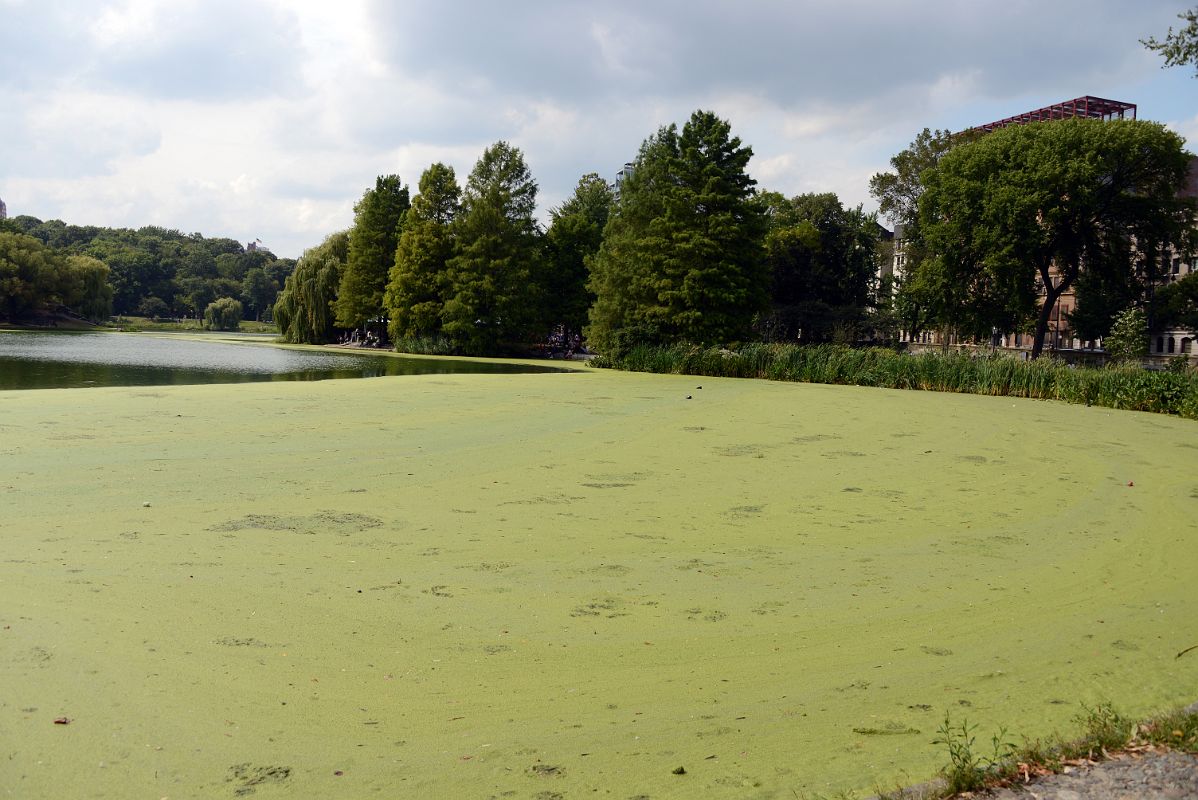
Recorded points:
(35, 360)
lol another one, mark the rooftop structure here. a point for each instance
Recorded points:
(1086, 107)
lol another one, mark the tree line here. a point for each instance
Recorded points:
(684, 249)
(151, 271)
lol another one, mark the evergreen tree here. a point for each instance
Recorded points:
(415, 297)
(682, 256)
(495, 277)
(372, 241)
(574, 236)
(822, 259)
(304, 310)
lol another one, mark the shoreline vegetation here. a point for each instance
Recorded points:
(1103, 733)
(1128, 388)
(48, 322)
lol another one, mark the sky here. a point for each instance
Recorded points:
(268, 119)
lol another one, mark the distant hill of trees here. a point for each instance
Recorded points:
(151, 271)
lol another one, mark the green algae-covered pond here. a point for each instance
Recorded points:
(565, 586)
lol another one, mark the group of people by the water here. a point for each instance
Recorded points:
(360, 338)
(562, 343)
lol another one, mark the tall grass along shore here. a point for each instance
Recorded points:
(1123, 387)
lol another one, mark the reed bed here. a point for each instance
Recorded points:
(1122, 387)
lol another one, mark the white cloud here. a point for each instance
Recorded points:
(268, 118)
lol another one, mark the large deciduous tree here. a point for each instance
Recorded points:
(822, 259)
(494, 295)
(304, 310)
(682, 256)
(30, 274)
(574, 236)
(898, 193)
(419, 280)
(1017, 216)
(372, 241)
(89, 293)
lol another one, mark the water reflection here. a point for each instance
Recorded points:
(74, 360)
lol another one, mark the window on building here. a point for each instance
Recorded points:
(1186, 345)
(1160, 344)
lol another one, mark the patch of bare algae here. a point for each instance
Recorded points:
(542, 585)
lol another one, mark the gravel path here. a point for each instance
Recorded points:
(1149, 776)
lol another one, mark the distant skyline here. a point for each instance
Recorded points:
(267, 119)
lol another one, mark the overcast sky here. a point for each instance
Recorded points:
(268, 119)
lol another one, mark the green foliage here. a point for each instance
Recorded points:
(90, 293)
(258, 291)
(304, 309)
(1177, 729)
(1014, 216)
(1127, 388)
(969, 770)
(372, 242)
(1100, 296)
(37, 278)
(494, 280)
(898, 192)
(1103, 729)
(425, 345)
(184, 271)
(682, 253)
(1128, 339)
(419, 280)
(1177, 304)
(1180, 47)
(153, 307)
(917, 297)
(574, 236)
(223, 314)
(822, 259)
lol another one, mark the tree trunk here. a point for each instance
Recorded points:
(1051, 295)
(1050, 301)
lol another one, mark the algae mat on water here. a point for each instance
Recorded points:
(566, 586)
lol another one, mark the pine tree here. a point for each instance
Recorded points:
(419, 280)
(682, 257)
(372, 241)
(574, 236)
(495, 277)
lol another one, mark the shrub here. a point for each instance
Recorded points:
(223, 314)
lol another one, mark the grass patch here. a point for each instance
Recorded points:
(146, 324)
(1129, 388)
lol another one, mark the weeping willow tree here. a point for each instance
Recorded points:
(304, 310)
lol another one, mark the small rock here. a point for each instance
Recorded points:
(679, 770)
(146, 504)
